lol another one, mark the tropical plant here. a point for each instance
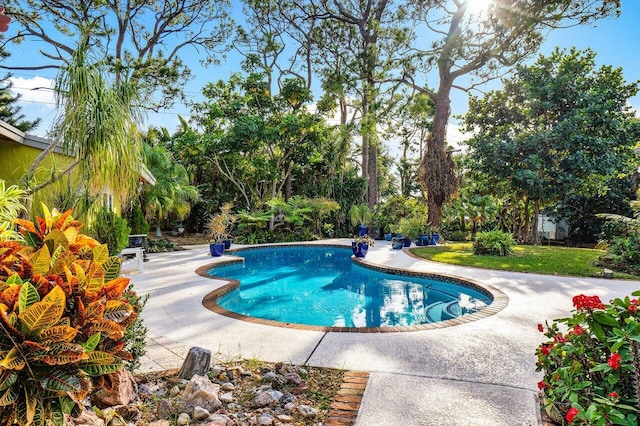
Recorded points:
(591, 363)
(137, 221)
(360, 215)
(10, 207)
(63, 317)
(172, 194)
(217, 228)
(412, 226)
(493, 243)
(97, 125)
(111, 229)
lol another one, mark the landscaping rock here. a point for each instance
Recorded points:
(226, 397)
(183, 419)
(160, 423)
(164, 409)
(219, 420)
(122, 391)
(200, 413)
(308, 412)
(265, 420)
(86, 418)
(201, 392)
(228, 386)
(174, 391)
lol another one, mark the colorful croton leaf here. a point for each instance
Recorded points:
(63, 317)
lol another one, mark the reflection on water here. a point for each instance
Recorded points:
(321, 286)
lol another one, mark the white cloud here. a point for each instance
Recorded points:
(36, 89)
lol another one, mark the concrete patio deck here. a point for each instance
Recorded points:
(477, 373)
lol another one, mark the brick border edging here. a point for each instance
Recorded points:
(499, 299)
(346, 403)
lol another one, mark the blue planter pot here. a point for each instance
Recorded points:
(407, 242)
(360, 249)
(227, 244)
(434, 239)
(388, 236)
(423, 240)
(397, 244)
(362, 230)
(216, 250)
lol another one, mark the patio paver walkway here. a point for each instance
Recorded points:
(477, 373)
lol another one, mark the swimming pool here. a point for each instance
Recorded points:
(321, 286)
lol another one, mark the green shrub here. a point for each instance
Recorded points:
(111, 229)
(135, 336)
(137, 221)
(625, 252)
(457, 236)
(591, 363)
(493, 243)
(160, 245)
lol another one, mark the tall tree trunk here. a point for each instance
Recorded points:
(437, 169)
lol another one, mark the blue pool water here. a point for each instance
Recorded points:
(321, 286)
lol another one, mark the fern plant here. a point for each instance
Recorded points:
(63, 317)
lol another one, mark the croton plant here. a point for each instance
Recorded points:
(63, 318)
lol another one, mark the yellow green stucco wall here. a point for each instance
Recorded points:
(15, 160)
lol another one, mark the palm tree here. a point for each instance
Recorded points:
(98, 126)
(172, 194)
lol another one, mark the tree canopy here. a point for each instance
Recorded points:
(559, 127)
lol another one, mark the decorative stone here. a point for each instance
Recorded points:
(160, 423)
(284, 418)
(174, 391)
(198, 361)
(269, 376)
(216, 370)
(183, 419)
(265, 420)
(302, 372)
(226, 397)
(87, 418)
(277, 395)
(287, 398)
(289, 407)
(130, 413)
(293, 378)
(164, 409)
(201, 392)
(200, 413)
(122, 391)
(263, 399)
(219, 420)
(307, 412)
(301, 388)
(228, 387)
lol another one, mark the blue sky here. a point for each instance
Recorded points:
(616, 42)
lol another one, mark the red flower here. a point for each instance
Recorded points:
(541, 385)
(559, 338)
(577, 330)
(571, 414)
(633, 309)
(587, 302)
(613, 394)
(545, 349)
(614, 361)
(540, 328)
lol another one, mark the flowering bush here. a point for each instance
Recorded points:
(591, 363)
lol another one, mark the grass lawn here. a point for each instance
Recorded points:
(550, 260)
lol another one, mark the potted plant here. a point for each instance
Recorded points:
(360, 216)
(410, 227)
(360, 245)
(217, 230)
(388, 235)
(228, 219)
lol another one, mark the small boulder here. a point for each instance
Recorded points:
(164, 409)
(122, 391)
(86, 418)
(200, 413)
(201, 392)
(183, 419)
(307, 412)
(160, 423)
(226, 397)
